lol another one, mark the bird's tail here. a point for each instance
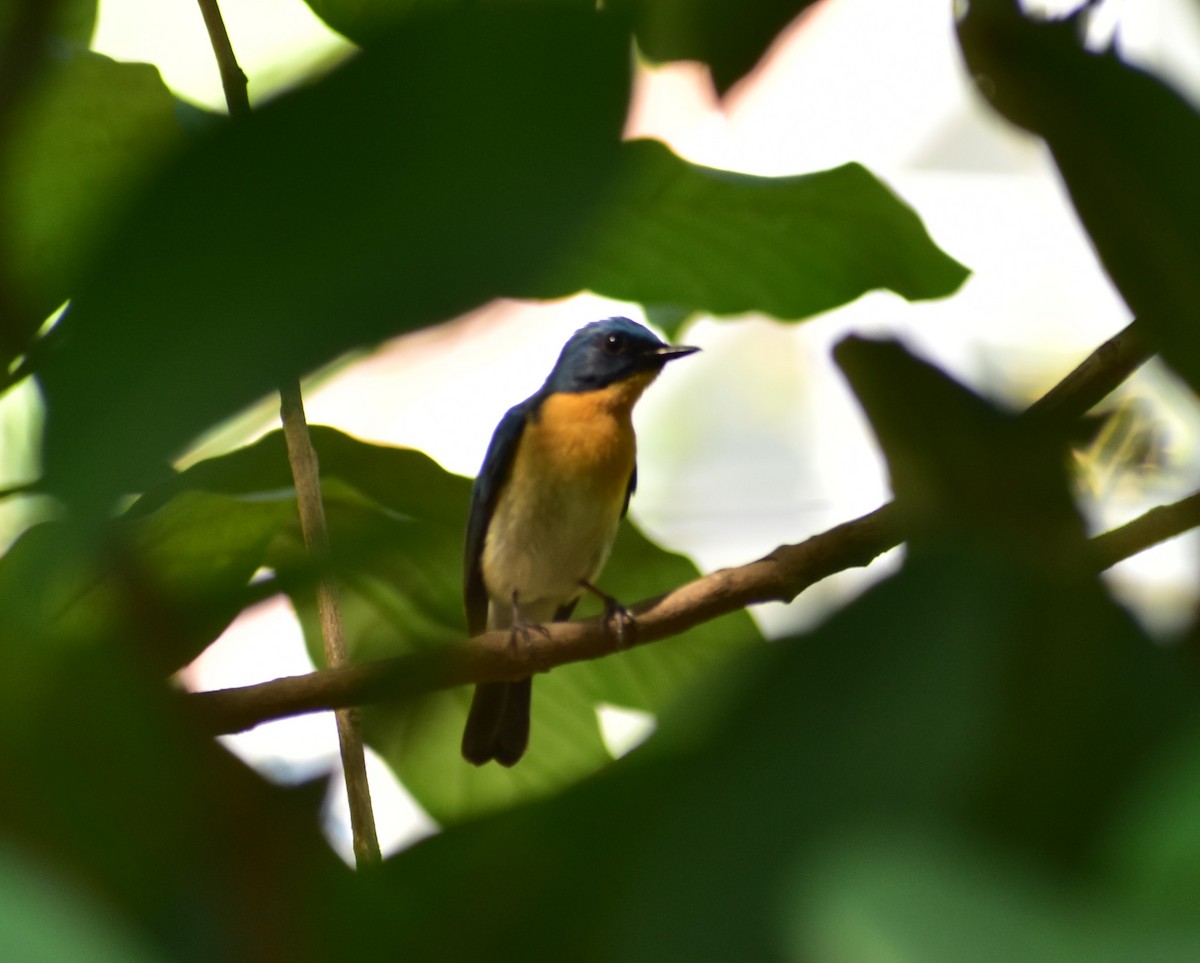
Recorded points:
(498, 723)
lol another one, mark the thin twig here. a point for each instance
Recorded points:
(1156, 526)
(306, 474)
(233, 80)
(780, 576)
(1097, 376)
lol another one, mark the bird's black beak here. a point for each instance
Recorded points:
(669, 352)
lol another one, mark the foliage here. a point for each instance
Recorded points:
(981, 756)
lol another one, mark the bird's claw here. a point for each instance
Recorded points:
(620, 620)
(523, 632)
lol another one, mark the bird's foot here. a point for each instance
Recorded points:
(520, 638)
(619, 619)
(522, 630)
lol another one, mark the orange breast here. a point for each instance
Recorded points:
(586, 435)
(555, 520)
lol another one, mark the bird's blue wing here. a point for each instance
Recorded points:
(497, 465)
(629, 490)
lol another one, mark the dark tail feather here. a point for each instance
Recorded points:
(498, 723)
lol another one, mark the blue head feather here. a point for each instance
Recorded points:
(605, 352)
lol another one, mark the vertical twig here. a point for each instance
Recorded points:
(306, 475)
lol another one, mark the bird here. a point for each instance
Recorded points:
(555, 483)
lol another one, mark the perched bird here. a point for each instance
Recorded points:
(554, 485)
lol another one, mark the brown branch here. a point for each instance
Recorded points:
(490, 657)
(1156, 526)
(305, 471)
(778, 577)
(1098, 375)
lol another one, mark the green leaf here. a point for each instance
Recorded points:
(1152, 854)
(110, 785)
(87, 135)
(72, 21)
(728, 35)
(44, 919)
(439, 169)
(400, 479)
(1126, 145)
(929, 897)
(365, 21)
(957, 464)
(708, 240)
(173, 579)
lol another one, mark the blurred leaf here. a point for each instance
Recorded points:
(1152, 854)
(172, 580)
(696, 238)
(958, 465)
(1126, 145)
(365, 21)
(90, 132)
(72, 21)
(401, 479)
(729, 36)
(973, 481)
(443, 167)
(107, 780)
(44, 919)
(928, 898)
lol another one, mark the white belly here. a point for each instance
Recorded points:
(542, 544)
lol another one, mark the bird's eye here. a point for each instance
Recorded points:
(614, 344)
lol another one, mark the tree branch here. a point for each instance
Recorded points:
(1156, 526)
(779, 576)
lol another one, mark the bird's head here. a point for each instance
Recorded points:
(606, 352)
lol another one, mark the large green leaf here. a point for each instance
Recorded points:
(1126, 145)
(43, 919)
(1152, 853)
(84, 137)
(702, 239)
(929, 897)
(728, 35)
(171, 580)
(366, 21)
(72, 21)
(136, 831)
(443, 167)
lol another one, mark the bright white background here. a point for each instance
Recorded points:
(755, 441)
